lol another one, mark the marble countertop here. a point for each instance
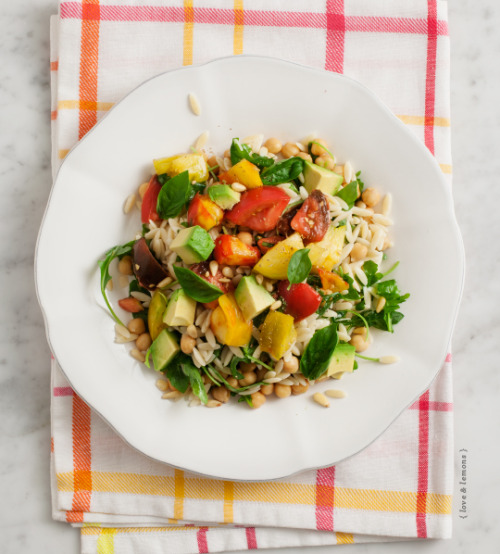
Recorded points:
(25, 512)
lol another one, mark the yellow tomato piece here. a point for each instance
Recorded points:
(332, 282)
(172, 166)
(274, 263)
(246, 173)
(326, 253)
(277, 334)
(228, 324)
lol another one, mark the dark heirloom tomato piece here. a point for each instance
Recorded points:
(148, 210)
(259, 208)
(300, 301)
(203, 270)
(313, 218)
(230, 250)
(146, 267)
(266, 243)
(283, 226)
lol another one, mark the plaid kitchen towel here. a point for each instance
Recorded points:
(397, 488)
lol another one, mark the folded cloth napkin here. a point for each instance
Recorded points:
(397, 488)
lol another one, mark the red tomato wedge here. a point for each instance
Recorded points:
(266, 243)
(300, 301)
(203, 270)
(313, 218)
(203, 212)
(148, 210)
(131, 304)
(259, 208)
(230, 250)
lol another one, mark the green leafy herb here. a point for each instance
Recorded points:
(195, 286)
(174, 195)
(322, 146)
(246, 398)
(163, 178)
(299, 266)
(115, 252)
(349, 193)
(196, 187)
(316, 357)
(182, 373)
(241, 151)
(283, 172)
(360, 181)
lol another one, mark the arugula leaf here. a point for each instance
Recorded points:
(241, 151)
(176, 375)
(195, 380)
(196, 187)
(246, 398)
(316, 357)
(283, 172)
(299, 266)
(163, 178)
(115, 252)
(349, 193)
(233, 366)
(360, 181)
(174, 195)
(195, 286)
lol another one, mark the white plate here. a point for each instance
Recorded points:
(242, 96)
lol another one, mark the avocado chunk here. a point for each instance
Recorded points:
(224, 196)
(251, 297)
(163, 349)
(193, 245)
(155, 314)
(342, 360)
(180, 310)
(316, 177)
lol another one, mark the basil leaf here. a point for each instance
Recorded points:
(115, 252)
(163, 178)
(317, 355)
(176, 375)
(243, 152)
(194, 376)
(174, 195)
(283, 172)
(195, 286)
(196, 187)
(299, 266)
(349, 193)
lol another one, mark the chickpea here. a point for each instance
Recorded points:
(245, 237)
(257, 400)
(249, 378)
(291, 366)
(267, 390)
(320, 148)
(282, 391)
(125, 266)
(305, 156)
(358, 252)
(339, 169)
(360, 204)
(212, 162)
(143, 188)
(244, 366)
(325, 161)
(143, 342)
(273, 145)
(290, 150)
(187, 343)
(300, 389)
(221, 394)
(359, 331)
(233, 382)
(136, 326)
(359, 343)
(371, 196)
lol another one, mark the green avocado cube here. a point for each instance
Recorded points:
(251, 297)
(180, 310)
(342, 360)
(316, 177)
(163, 349)
(224, 196)
(193, 244)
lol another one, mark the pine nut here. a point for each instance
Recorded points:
(321, 399)
(238, 187)
(335, 393)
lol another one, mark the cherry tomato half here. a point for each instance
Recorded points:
(259, 209)
(300, 301)
(313, 218)
(203, 212)
(230, 250)
(148, 210)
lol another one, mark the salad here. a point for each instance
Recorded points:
(256, 273)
